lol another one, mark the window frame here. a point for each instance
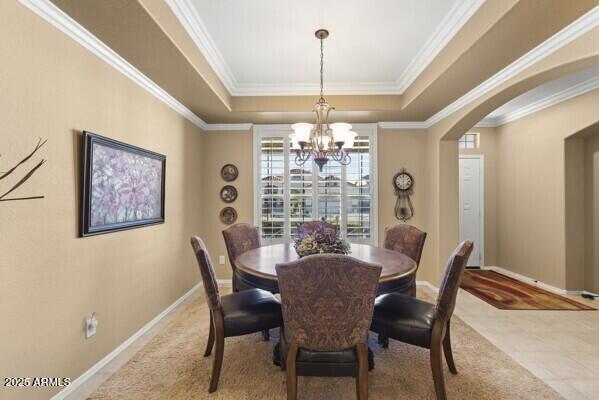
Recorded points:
(464, 140)
(283, 130)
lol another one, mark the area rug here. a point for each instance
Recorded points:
(171, 366)
(506, 293)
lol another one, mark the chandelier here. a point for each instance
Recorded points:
(320, 141)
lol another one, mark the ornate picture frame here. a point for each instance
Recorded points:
(122, 187)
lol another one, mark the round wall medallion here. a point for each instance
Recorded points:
(228, 194)
(228, 215)
(229, 172)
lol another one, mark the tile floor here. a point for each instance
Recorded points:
(559, 347)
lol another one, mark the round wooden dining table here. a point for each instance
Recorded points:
(256, 267)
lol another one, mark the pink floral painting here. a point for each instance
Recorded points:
(125, 186)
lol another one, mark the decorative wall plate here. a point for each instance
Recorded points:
(228, 215)
(229, 172)
(228, 194)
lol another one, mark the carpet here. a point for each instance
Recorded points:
(507, 293)
(171, 366)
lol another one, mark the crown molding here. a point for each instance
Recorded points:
(571, 32)
(60, 20)
(197, 31)
(453, 21)
(228, 127)
(403, 125)
(541, 104)
(451, 24)
(63, 22)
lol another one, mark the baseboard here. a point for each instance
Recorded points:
(100, 364)
(224, 282)
(428, 285)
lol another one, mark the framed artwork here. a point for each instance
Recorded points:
(122, 186)
(228, 194)
(229, 172)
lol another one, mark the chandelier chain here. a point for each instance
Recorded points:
(321, 69)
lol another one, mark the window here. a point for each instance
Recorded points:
(468, 141)
(287, 195)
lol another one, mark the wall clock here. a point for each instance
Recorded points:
(228, 194)
(229, 172)
(403, 183)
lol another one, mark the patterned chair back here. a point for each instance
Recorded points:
(405, 239)
(240, 238)
(207, 271)
(448, 291)
(327, 301)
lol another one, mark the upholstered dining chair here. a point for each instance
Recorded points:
(407, 319)
(327, 303)
(235, 314)
(240, 238)
(408, 240)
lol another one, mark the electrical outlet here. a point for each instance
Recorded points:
(221, 260)
(90, 326)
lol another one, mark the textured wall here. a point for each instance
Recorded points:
(532, 191)
(591, 175)
(52, 279)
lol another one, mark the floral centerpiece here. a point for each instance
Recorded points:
(318, 238)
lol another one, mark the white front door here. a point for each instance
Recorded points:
(471, 205)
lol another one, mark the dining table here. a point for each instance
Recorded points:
(256, 269)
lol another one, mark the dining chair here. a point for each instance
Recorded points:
(327, 302)
(408, 240)
(235, 314)
(409, 320)
(240, 238)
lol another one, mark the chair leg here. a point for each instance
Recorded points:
(413, 288)
(291, 372)
(362, 378)
(266, 335)
(234, 283)
(383, 340)
(219, 333)
(437, 369)
(447, 351)
(210, 343)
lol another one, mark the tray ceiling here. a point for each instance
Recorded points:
(267, 47)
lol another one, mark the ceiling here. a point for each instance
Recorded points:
(573, 84)
(267, 47)
(162, 46)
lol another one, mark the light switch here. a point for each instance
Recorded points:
(221, 260)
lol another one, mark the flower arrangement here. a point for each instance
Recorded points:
(319, 239)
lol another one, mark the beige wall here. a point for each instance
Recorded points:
(488, 149)
(403, 149)
(52, 279)
(591, 202)
(531, 194)
(222, 148)
(574, 211)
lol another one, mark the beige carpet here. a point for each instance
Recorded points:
(171, 366)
